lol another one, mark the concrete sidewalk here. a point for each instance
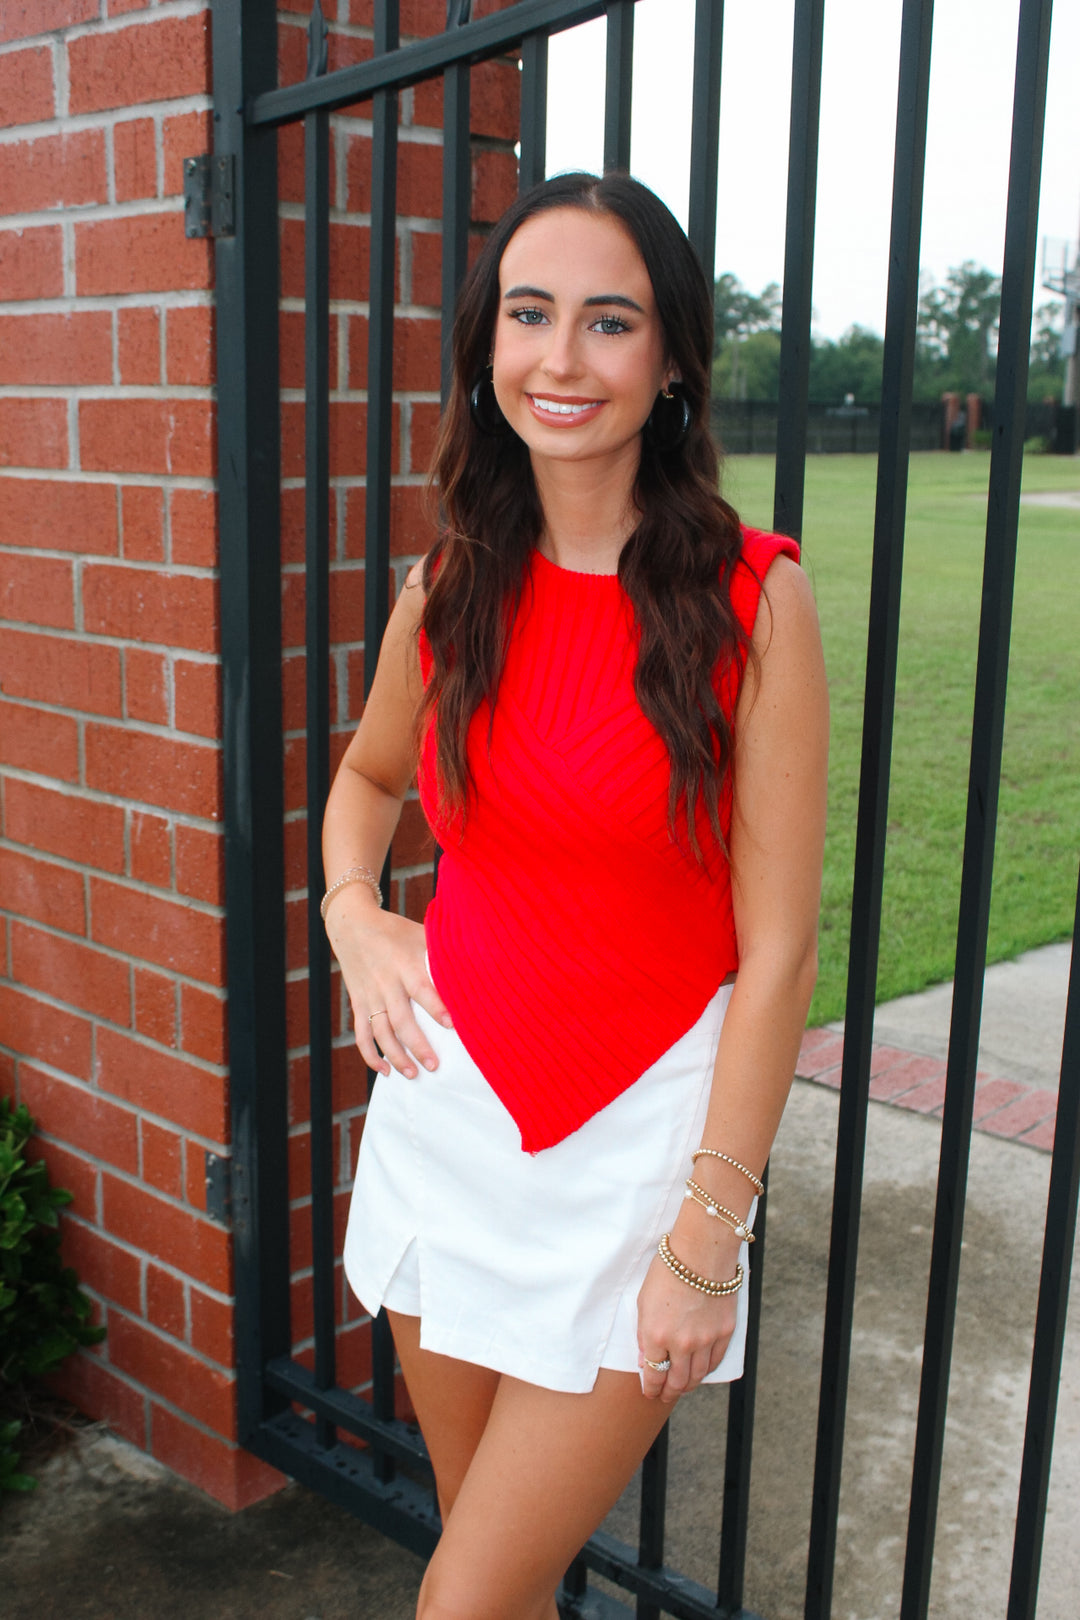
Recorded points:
(110, 1536)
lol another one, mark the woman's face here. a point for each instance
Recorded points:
(579, 353)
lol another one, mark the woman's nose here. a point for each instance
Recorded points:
(563, 356)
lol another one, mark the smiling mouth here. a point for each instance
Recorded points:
(563, 407)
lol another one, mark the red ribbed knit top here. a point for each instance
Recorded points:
(572, 941)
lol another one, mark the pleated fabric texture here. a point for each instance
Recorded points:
(572, 941)
(528, 1264)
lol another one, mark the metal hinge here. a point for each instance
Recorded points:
(208, 195)
(219, 1199)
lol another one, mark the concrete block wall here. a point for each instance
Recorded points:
(112, 984)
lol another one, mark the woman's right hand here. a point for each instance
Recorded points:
(382, 957)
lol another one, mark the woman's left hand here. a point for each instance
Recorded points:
(676, 1322)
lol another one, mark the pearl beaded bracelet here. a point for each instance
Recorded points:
(355, 874)
(717, 1211)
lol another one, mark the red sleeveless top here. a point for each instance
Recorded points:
(572, 941)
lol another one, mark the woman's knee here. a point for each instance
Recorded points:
(444, 1595)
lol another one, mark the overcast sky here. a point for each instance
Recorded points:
(974, 53)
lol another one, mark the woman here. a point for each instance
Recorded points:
(618, 705)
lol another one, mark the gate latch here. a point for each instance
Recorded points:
(208, 195)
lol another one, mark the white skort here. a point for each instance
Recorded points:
(527, 1263)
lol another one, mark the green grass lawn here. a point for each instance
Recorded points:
(1038, 834)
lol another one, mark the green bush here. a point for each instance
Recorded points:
(44, 1315)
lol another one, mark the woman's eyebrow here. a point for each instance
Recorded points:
(617, 299)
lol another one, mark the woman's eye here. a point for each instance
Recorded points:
(610, 325)
(528, 317)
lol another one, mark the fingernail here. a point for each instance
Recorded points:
(448, 1022)
(429, 1063)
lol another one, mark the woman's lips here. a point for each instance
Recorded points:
(563, 410)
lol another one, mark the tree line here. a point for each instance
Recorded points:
(955, 348)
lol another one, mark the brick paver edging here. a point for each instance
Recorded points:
(1006, 1108)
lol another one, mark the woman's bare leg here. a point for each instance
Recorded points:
(452, 1400)
(545, 1471)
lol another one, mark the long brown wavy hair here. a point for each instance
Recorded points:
(676, 565)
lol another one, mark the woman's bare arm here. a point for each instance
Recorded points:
(776, 845)
(381, 954)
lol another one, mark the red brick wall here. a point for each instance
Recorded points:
(112, 992)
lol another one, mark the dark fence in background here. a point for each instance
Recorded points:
(749, 427)
(299, 1417)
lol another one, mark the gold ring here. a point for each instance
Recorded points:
(659, 1366)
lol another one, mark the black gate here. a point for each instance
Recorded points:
(295, 1413)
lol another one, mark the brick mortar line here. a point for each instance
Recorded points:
(171, 1339)
(105, 118)
(71, 1213)
(90, 213)
(348, 30)
(78, 793)
(214, 1071)
(359, 396)
(96, 1162)
(91, 717)
(93, 639)
(182, 980)
(79, 475)
(109, 303)
(409, 480)
(205, 908)
(125, 19)
(112, 393)
(184, 1417)
(148, 1392)
(346, 1115)
(97, 559)
(293, 304)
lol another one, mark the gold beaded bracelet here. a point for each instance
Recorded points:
(717, 1211)
(711, 1153)
(355, 874)
(704, 1285)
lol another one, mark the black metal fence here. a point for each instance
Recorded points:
(749, 427)
(296, 1413)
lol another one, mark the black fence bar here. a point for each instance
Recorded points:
(672, 1593)
(380, 379)
(798, 267)
(477, 42)
(380, 423)
(878, 711)
(317, 693)
(705, 132)
(457, 186)
(349, 1412)
(345, 1475)
(619, 84)
(1017, 287)
(738, 1450)
(532, 166)
(1058, 1239)
(248, 486)
(654, 1477)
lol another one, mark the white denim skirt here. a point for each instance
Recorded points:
(527, 1263)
